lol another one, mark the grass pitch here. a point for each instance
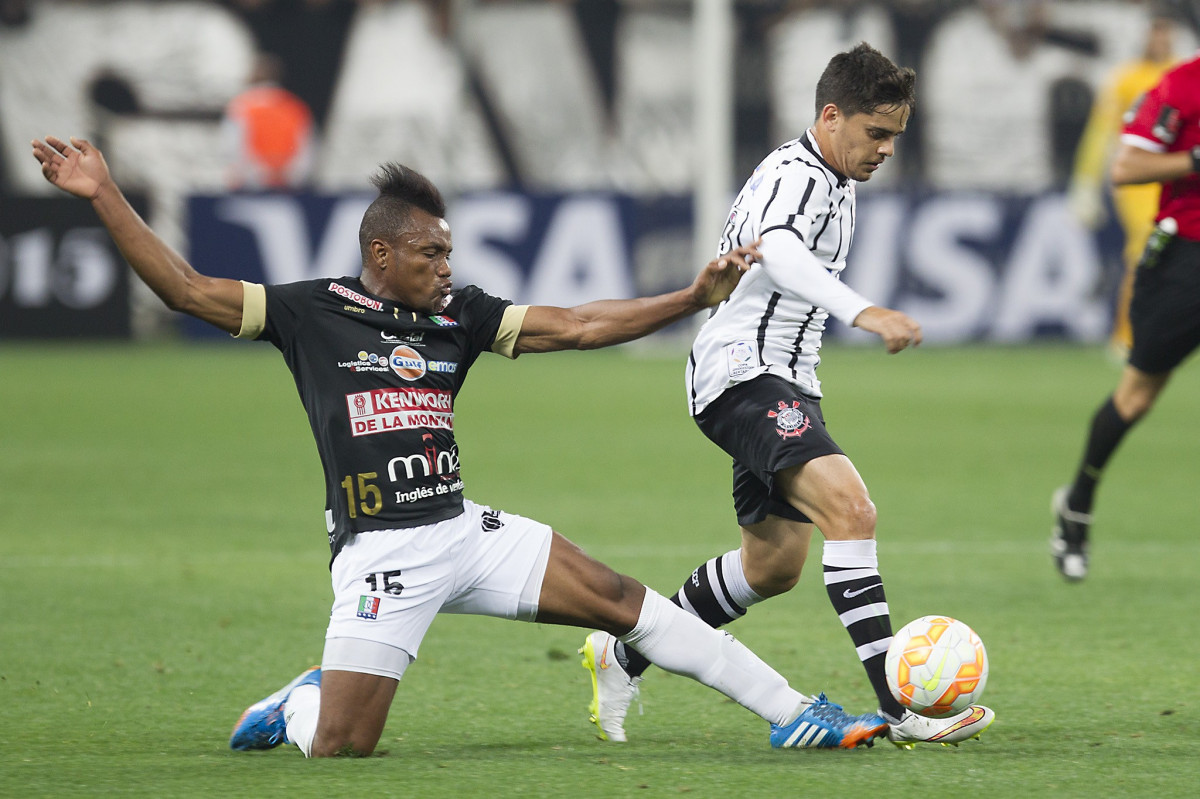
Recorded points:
(163, 565)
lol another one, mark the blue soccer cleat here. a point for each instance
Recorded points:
(262, 725)
(824, 725)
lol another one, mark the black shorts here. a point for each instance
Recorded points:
(765, 425)
(1165, 310)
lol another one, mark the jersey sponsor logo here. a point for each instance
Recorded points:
(407, 362)
(425, 492)
(355, 297)
(790, 422)
(741, 357)
(366, 362)
(418, 466)
(382, 410)
(411, 336)
(368, 608)
(432, 461)
(1166, 127)
(443, 321)
(423, 464)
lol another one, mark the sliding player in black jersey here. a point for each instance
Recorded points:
(378, 361)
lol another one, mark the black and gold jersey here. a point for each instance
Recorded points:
(378, 381)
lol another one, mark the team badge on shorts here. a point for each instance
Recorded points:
(368, 607)
(790, 422)
(491, 521)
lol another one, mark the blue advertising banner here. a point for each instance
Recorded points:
(986, 267)
(969, 267)
(539, 249)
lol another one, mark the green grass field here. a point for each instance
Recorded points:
(163, 565)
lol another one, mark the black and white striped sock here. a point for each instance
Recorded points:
(717, 593)
(856, 590)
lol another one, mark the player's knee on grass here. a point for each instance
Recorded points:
(343, 743)
(354, 709)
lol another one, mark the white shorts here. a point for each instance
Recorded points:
(389, 584)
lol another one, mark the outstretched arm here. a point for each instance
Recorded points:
(607, 322)
(1134, 165)
(796, 270)
(78, 168)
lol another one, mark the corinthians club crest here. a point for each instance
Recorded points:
(790, 422)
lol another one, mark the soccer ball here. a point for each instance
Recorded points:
(936, 666)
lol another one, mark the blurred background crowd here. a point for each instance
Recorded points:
(554, 94)
(562, 96)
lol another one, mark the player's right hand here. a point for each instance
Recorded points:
(897, 329)
(721, 275)
(77, 168)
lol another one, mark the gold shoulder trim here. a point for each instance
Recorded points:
(510, 328)
(254, 310)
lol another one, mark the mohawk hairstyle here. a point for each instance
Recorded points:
(862, 80)
(400, 190)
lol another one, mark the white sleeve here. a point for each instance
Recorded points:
(794, 269)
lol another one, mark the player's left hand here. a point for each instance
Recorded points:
(897, 329)
(720, 276)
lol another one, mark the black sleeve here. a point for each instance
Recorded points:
(480, 315)
(287, 307)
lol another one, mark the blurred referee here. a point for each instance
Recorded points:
(1160, 145)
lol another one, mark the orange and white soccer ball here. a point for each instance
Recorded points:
(936, 666)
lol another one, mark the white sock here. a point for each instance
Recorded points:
(300, 715)
(735, 580)
(850, 554)
(679, 642)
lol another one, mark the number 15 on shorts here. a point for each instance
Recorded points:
(386, 582)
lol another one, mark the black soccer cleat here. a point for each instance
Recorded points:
(1069, 538)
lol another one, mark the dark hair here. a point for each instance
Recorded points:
(862, 80)
(400, 190)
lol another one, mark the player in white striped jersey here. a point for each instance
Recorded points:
(753, 389)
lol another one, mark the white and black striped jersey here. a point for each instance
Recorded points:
(772, 323)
